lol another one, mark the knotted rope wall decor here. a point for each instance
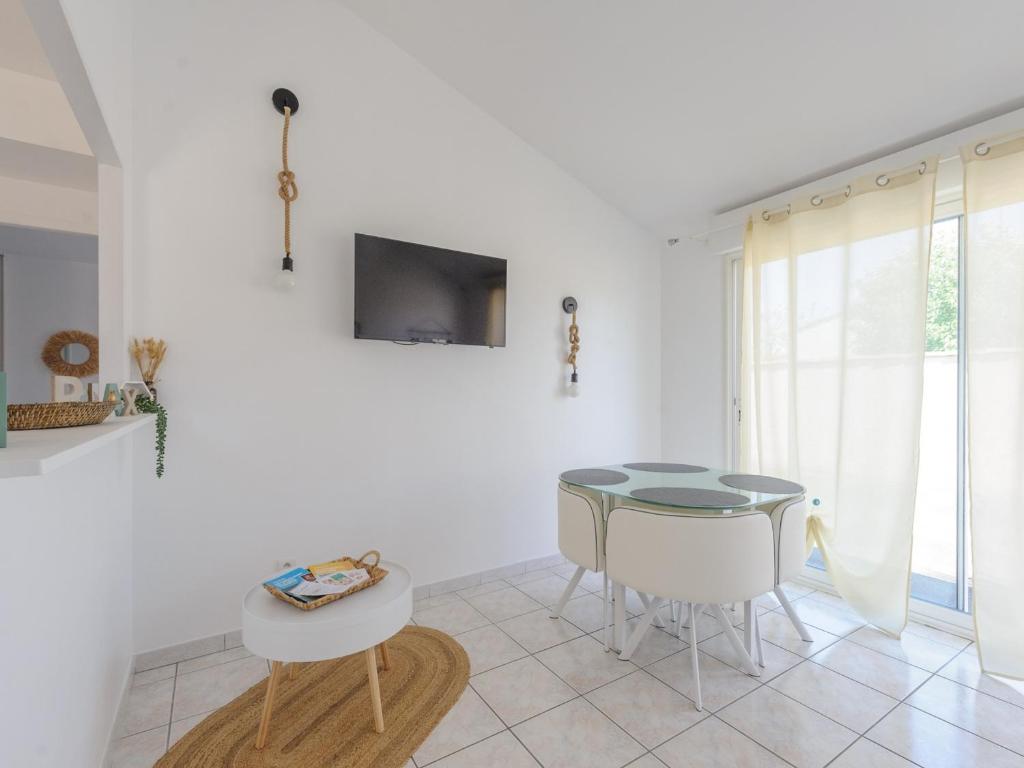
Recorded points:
(574, 342)
(287, 189)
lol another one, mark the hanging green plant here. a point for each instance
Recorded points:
(146, 405)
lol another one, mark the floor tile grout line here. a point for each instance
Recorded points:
(866, 685)
(906, 702)
(905, 661)
(575, 696)
(891, 751)
(762, 746)
(677, 735)
(170, 715)
(507, 727)
(805, 705)
(938, 673)
(864, 735)
(965, 730)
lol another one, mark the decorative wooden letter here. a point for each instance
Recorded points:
(128, 394)
(66, 389)
(112, 394)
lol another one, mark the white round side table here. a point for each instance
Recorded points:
(282, 633)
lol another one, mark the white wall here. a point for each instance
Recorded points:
(43, 295)
(65, 659)
(288, 438)
(694, 364)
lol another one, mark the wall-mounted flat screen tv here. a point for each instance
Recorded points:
(420, 294)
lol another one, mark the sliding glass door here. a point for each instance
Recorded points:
(939, 560)
(941, 552)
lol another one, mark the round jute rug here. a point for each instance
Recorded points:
(322, 714)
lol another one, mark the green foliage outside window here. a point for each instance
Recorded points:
(943, 287)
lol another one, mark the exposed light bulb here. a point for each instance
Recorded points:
(574, 385)
(285, 279)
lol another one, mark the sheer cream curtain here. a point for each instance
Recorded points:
(994, 216)
(834, 292)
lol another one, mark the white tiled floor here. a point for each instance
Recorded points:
(544, 692)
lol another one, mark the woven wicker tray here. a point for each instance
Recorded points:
(56, 415)
(374, 571)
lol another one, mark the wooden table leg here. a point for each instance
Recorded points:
(385, 656)
(371, 669)
(268, 704)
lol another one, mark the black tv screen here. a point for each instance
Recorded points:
(417, 293)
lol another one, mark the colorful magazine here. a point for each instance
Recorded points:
(306, 586)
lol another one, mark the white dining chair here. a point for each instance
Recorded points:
(697, 559)
(789, 526)
(581, 541)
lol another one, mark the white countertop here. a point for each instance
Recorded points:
(38, 451)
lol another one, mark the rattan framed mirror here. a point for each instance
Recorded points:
(59, 354)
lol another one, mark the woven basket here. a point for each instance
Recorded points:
(375, 572)
(54, 415)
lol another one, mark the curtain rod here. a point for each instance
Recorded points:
(727, 227)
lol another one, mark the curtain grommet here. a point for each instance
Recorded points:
(882, 180)
(981, 149)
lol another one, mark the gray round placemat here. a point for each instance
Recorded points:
(690, 497)
(593, 476)
(659, 466)
(761, 484)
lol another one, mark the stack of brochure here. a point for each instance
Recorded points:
(316, 581)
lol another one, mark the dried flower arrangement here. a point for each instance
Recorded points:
(148, 355)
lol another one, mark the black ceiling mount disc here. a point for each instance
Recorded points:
(284, 98)
(570, 305)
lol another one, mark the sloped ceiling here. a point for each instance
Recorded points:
(673, 110)
(20, 49)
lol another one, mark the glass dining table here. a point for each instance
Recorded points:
(668, 486)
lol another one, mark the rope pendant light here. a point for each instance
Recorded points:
(569, 306)
(287, 104)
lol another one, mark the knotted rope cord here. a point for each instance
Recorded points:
(574, 342)
(287, 189)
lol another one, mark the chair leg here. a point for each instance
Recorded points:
(734, 641)
(793, 616)
(757, 638)
(693, 658)
(618, 616)
(573, 583)
(681, 618)
(641, 628)
(371, 669)
(658, 622)
(605, 617)
(268, 704)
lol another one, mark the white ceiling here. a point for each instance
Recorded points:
(20, 49)
(673, 110)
